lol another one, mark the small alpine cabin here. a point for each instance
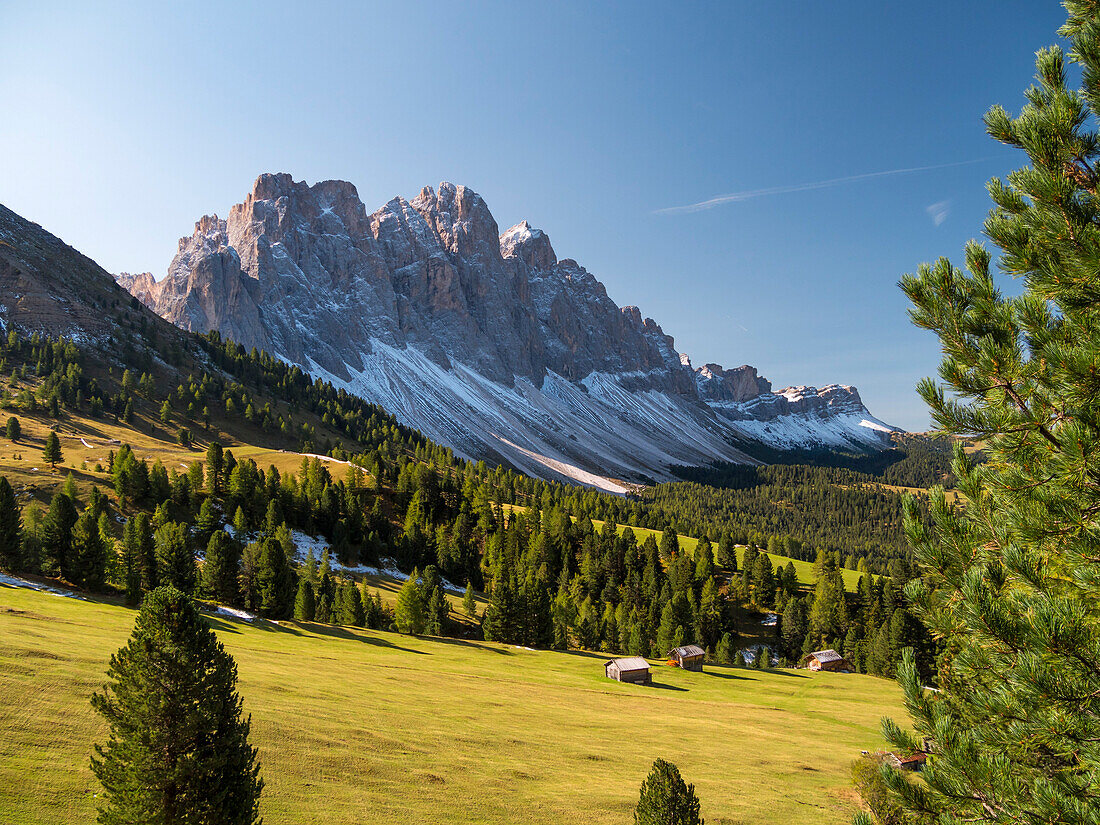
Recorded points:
(689, 657)
(828, 660)
(633, 669)
(913, 762)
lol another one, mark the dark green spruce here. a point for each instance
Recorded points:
(177, 751)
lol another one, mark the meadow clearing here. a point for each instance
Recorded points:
(357, 725)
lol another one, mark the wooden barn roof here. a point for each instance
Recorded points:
(630, 663)
(686, 651)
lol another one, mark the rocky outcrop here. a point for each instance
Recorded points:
(485, 340)
(143, 286)
(737, 384)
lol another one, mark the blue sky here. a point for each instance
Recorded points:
(123, 124)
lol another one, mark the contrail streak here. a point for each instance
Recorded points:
(750, 194)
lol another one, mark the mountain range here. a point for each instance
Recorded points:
(485, 341)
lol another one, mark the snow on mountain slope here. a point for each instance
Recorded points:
(486, 342)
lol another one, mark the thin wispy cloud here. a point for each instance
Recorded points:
(751, 194)
(938, 211)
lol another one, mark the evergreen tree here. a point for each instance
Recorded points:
(275, 581)
(704, 561)
(1010, 580)
(178, 747)
(828, 616)
(670, 544)
(57, 535)
(763, 658)
(747, 562)
(349, 606)
(221, 569)
(763, 580)
(726, 555)
(469, 606)
(794, 627)
(215, 465)
(206, 522)
(138, 558)
(11, 529)
(240, 524)
(69, 488)
(89, 553)
(676, 623)
(131, 569)
(14, 431)
(724, 652)
(665, 799)
(175, 561)
(437, 612)
(51, 453)
(409, 613)
(304, 604)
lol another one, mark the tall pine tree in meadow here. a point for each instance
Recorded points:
(665, 799)
(51, 453)
(1011, 581)
(409, 613)
(177, 748)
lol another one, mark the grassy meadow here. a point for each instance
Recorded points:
(362, 726)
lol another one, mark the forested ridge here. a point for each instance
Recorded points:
(550, 578)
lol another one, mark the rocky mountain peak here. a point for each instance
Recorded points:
(530, 245)
(460, 218)
(485, 341)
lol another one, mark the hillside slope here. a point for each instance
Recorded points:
(357, 726)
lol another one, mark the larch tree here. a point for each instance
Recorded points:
(409, 613)
(1011, 580)
(177, 750)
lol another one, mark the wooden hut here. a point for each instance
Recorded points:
(633, 669)
(828, 660)
(689, 657)
(912, 762)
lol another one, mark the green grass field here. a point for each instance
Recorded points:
(359, 726)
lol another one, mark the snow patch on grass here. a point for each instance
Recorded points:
(304, 543)
(235, 613)
(15, 581)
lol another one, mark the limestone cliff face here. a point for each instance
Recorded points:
(485, 340)
(143, 286)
